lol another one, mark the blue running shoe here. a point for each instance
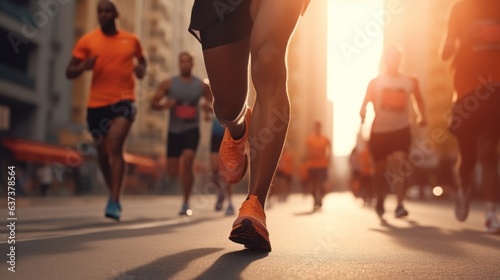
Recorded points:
(113, 210)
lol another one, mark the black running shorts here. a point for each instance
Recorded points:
(178, 142)
(99, 119)
(220, 22)
(477, 114)
(384, 144)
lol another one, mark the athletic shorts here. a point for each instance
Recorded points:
(215, 143)
(99, 119)
(477, 114)
(179, 142)
(384, 144)
(318, 175)
(283, 175)
(221, 22)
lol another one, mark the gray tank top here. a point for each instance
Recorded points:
(392, 103)
(185, 115)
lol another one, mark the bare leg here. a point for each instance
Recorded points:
(463, 176)
(274, 22)
(489, 161)
(380, 185)
(115, 142)
(227, 68)
(187, 174)
(400, 188)
(104, 161)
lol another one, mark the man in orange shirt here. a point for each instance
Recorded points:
(473, 40)
(109, 53)
(318, 158)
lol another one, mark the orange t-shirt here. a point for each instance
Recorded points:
(112, 79)
(317, 147)
(286, 163)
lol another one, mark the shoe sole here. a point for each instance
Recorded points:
(401, 215)
(247, 234)
(111, 216)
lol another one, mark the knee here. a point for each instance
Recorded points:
(268, 63)
(227, 114)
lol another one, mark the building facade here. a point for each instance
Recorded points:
(34, 93)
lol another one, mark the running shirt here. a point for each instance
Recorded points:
(112, 78)
(391, 102)
(317, 147)
(476, 24)
(184, 115)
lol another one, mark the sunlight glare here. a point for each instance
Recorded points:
(355, 43)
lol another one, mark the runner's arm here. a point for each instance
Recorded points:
(450, 38)
(419, 102)
(77, 66)
(140, 68)
(158, 102)
(368, 98)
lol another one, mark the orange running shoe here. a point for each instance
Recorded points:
(233, 161)
(249, 228)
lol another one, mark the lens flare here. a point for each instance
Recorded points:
(437, 191)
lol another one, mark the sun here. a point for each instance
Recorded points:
(355, 43)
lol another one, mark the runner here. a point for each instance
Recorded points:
(109, 53)
(390, 134)
(319, 153)
(473, 40)
(181, 96)
(228, 36)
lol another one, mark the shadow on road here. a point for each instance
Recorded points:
(436, 240)
(168, 266)
(231, 265)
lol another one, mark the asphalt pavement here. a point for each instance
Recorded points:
(68, 238)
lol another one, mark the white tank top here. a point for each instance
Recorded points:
(392, 102)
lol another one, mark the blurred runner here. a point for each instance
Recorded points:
(109, 53)
(45, 177)
(304, 177)
(473, 40)
(181, 96)
(318, 160)
(362, 171)
(229, 31)
(390, 94)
